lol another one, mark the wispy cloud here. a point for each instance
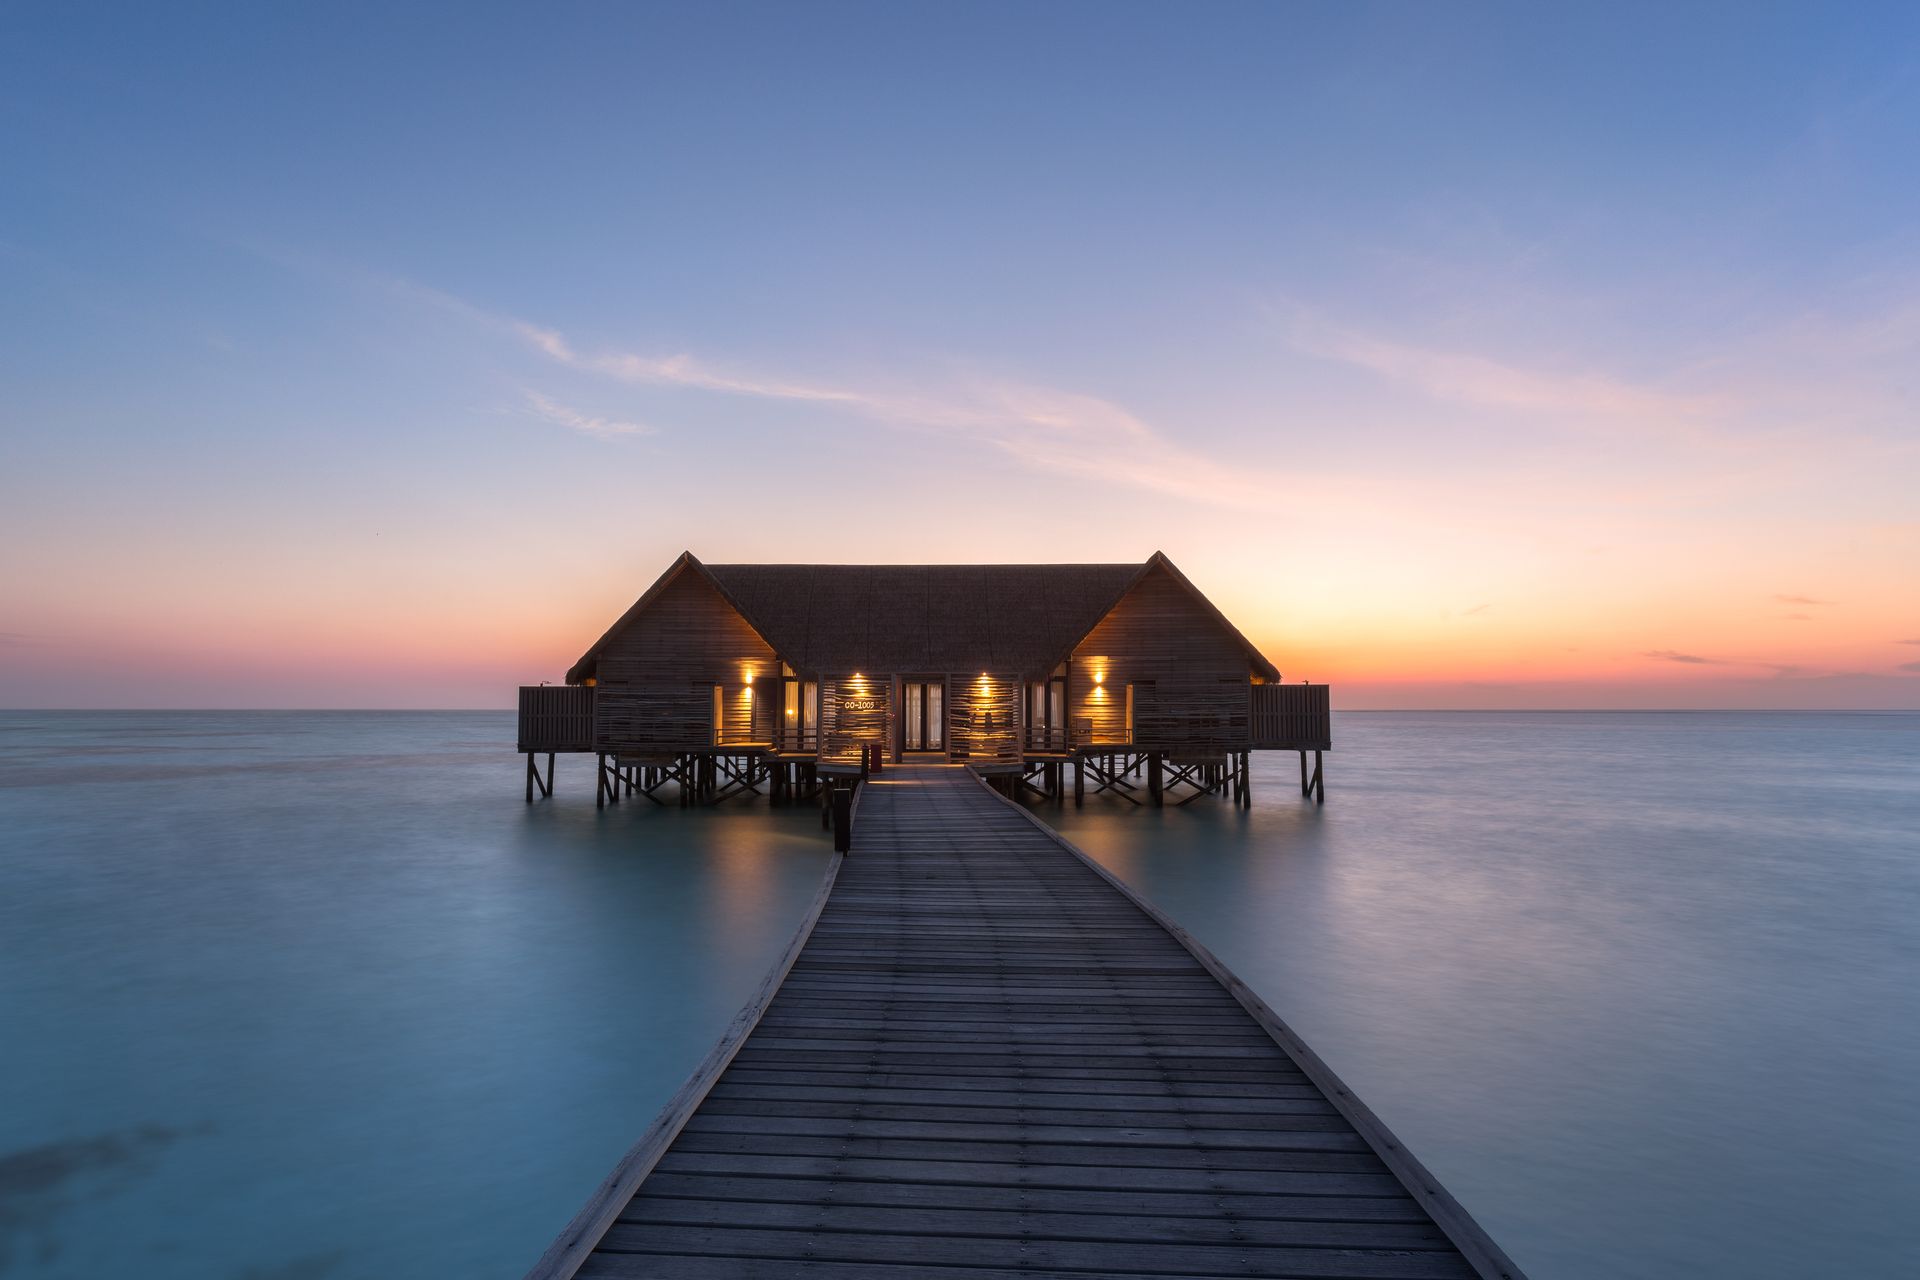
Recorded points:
(1691, 659)
(14, 639)
(586, 424)
(1467, 378)
(1910, 666)
(1045, 428)
(1778, 670)
(1788, 599)
(1479, 608)
(1907, 641)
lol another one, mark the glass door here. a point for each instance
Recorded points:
(924, 716)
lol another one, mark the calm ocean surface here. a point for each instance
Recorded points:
(317, 997)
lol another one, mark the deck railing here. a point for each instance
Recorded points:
(1055, 740)
(556, 717)
(796, 741)
(1291, 717)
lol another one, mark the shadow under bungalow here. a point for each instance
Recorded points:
(723, 679)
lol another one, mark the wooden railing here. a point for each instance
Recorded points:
(556, 717)
(1053, 740)
(790, 741)
(1291, 717)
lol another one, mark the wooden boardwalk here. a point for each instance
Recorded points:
(987, 1060)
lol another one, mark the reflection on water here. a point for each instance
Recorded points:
(389, 1019)
(317, 997)
(1644, 990)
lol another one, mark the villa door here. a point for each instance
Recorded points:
(923, 715)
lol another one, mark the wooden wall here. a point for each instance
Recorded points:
(1292, 717)
(983, 717)
(556, 717)
(1191, 676)
(656, 677)
(856, 711)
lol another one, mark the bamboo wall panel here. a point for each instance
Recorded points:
(657, 676)
(556, 717)
(1291, 717)
(983, 717)
(855, 712)
(1159, 633)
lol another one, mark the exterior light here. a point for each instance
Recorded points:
(1099, 677)
(749, 679)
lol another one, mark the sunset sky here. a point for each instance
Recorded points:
(1467, 356)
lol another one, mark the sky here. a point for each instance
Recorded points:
(1466, 355)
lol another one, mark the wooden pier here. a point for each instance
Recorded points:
(984, 1057)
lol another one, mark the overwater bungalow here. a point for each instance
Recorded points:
(722, 678)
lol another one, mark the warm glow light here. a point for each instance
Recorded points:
(1099, 677)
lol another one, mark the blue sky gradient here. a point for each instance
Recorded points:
(1469, 355)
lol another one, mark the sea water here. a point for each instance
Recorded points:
(1642, 990)
(319, 997)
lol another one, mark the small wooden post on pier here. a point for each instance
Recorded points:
(1155, 778)
(842, 818)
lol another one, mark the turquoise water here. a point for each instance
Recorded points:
(317, 997)
(1642, 990)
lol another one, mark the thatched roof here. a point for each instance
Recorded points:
(825, 618)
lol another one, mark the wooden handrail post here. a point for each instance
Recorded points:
(842, 819)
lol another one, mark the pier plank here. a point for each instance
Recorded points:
(989, 1059)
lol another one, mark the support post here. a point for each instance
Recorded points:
(549, 773)
(842, 819)
(1319, 781)
(1155, 777)
(1079, 782)
(529, 777)
(1303, 774)
(599, 780)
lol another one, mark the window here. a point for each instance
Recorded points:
(719, 714)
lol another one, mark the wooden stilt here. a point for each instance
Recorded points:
(1079, 781)
(1155, 778)
(599, 781)
(529, 777)
(1319, 781)
(549, 787)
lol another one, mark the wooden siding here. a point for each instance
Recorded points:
(1291, 717)
(983, 717)
(556, 717)
(1159, 634)
(855, 712)
(657, 675)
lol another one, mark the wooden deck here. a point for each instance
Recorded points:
(989, 1059)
